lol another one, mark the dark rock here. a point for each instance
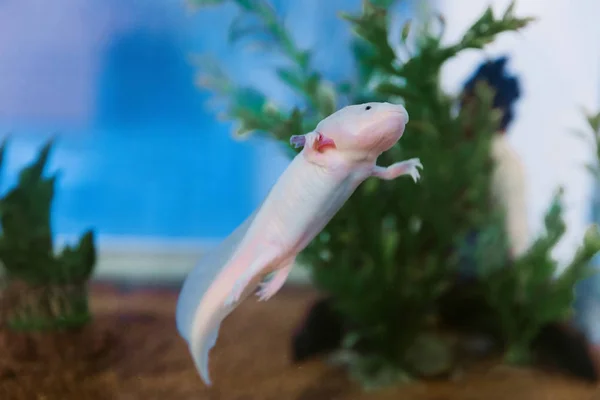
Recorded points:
(319, 333)
(567, 350)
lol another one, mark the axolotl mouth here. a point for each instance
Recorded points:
(396, 123)
(403, 113)
(393, 126)
(399, 110)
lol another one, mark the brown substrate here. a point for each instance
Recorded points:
(132, 351)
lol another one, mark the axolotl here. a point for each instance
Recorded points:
(335, 159)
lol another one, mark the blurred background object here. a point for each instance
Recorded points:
(558, 61)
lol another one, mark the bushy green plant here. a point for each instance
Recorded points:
(391, 251)
(49, 290)
(531, 293)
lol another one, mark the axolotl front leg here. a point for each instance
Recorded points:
(408, 167)
(260, 267)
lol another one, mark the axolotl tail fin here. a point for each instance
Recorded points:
(200, 353)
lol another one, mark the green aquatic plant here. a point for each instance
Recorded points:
(391, 251)
(531, 293)
(44, 290)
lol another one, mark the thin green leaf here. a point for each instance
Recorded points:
(510, 11)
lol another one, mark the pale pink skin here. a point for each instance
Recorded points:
(337, 157)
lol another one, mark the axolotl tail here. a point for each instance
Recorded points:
(207, 320)
(208, 317)
(203, 330)
(199, 343)
(199, 314)
(200, 350)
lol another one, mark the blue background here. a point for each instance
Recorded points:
(140, 154)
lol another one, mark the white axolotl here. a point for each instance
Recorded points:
(337, 157)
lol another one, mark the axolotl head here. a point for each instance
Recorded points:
(367, 128)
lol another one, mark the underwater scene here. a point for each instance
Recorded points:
(303, 200)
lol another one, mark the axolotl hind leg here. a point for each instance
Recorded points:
(267, 255)
(267, 289)
(407, 167)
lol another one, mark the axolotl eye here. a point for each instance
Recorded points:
(367, 107)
